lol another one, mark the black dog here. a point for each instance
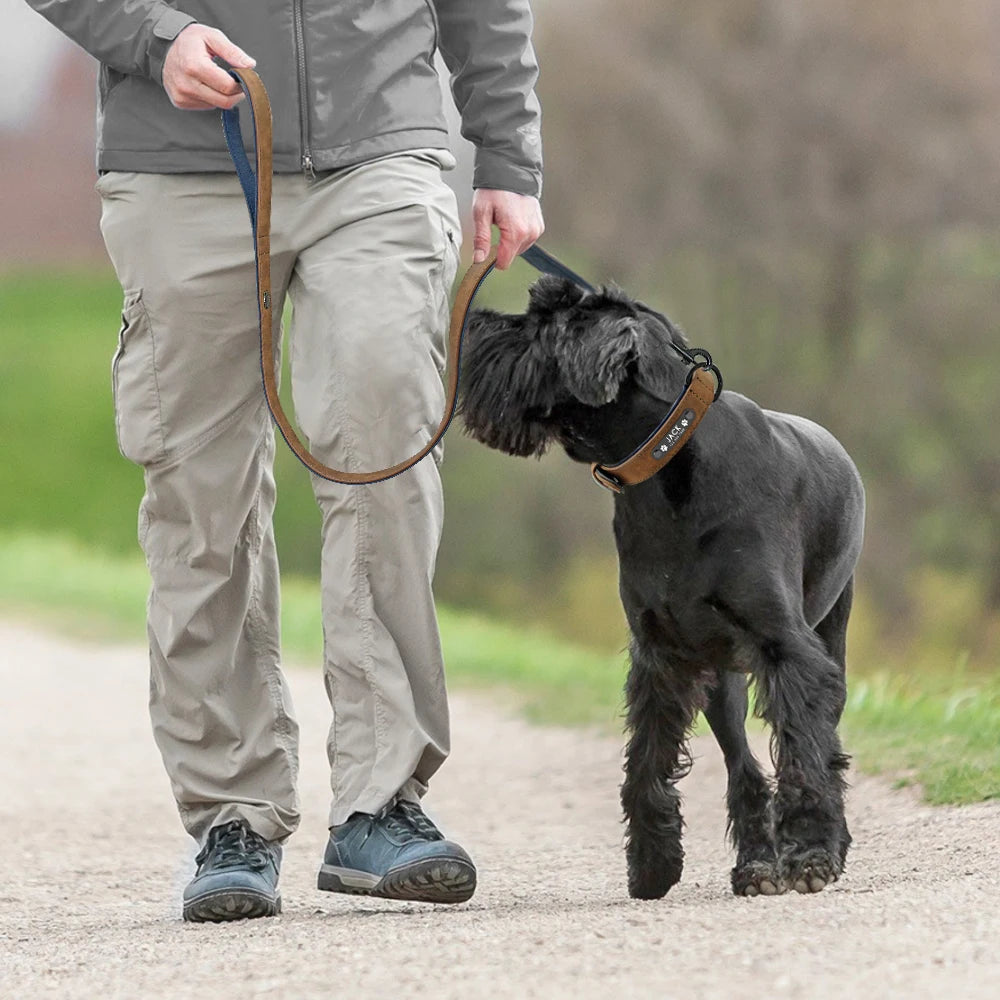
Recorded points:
(736, 557)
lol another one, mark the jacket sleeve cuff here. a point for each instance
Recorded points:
(497, 173)
(167, 27)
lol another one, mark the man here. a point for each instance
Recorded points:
(365, 241)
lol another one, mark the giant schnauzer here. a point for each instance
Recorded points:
(737, 558)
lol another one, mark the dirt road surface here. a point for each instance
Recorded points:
(94, 860)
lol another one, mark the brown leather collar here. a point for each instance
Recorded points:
(704, 383)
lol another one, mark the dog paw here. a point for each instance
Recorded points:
(651, 888)
(653, 878)
(812, 871)
(757, 878)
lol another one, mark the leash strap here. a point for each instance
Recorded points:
(256, 186)
(547, 264)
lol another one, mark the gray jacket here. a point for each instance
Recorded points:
(349, 80)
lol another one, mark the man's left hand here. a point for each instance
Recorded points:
(517, 216)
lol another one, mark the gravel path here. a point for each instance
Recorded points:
(94, 860)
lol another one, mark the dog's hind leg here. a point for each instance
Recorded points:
(748, 795)
(801, 693)
(833, 631)
(661, 707)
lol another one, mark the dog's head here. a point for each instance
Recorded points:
(561, 369)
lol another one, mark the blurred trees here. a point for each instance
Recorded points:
(813, 192)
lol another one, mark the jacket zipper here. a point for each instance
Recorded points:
(300, 62)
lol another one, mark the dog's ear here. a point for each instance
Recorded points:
(597, 353)
(659, 369)
(594, 336)
(507, 384)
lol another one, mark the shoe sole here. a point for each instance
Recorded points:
(230, 904)
(435, 880)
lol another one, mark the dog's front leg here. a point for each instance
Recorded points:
(661, 706)
(748, 795)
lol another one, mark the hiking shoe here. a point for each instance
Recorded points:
(398, 854)
(237, 876)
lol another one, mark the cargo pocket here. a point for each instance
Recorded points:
(138, 425)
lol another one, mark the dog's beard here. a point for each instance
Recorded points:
(520, 437)
(507, 385)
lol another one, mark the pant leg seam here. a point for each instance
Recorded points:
(361, 590)
(362, 550)
(255, 622)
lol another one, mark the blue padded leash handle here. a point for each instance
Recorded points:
(256, 185)
(234, 141)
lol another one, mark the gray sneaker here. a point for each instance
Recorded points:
(237, 876)
(398, 854)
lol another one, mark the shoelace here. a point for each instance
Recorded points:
(234, 846)
(407, 821)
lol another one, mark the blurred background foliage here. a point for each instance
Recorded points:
(812, 191)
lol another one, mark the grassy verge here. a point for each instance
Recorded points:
(942, 733)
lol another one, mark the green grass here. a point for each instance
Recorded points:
(943, 734)
(62, 469)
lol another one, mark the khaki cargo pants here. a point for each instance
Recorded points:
(367, 256)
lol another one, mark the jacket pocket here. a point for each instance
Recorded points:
(138, 423)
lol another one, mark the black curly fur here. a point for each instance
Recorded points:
(736, 558)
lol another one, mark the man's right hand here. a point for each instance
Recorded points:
(190, 77)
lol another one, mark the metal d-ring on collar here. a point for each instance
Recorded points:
(702, 386)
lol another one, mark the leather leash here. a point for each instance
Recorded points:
(668, 438)
(257, 191)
